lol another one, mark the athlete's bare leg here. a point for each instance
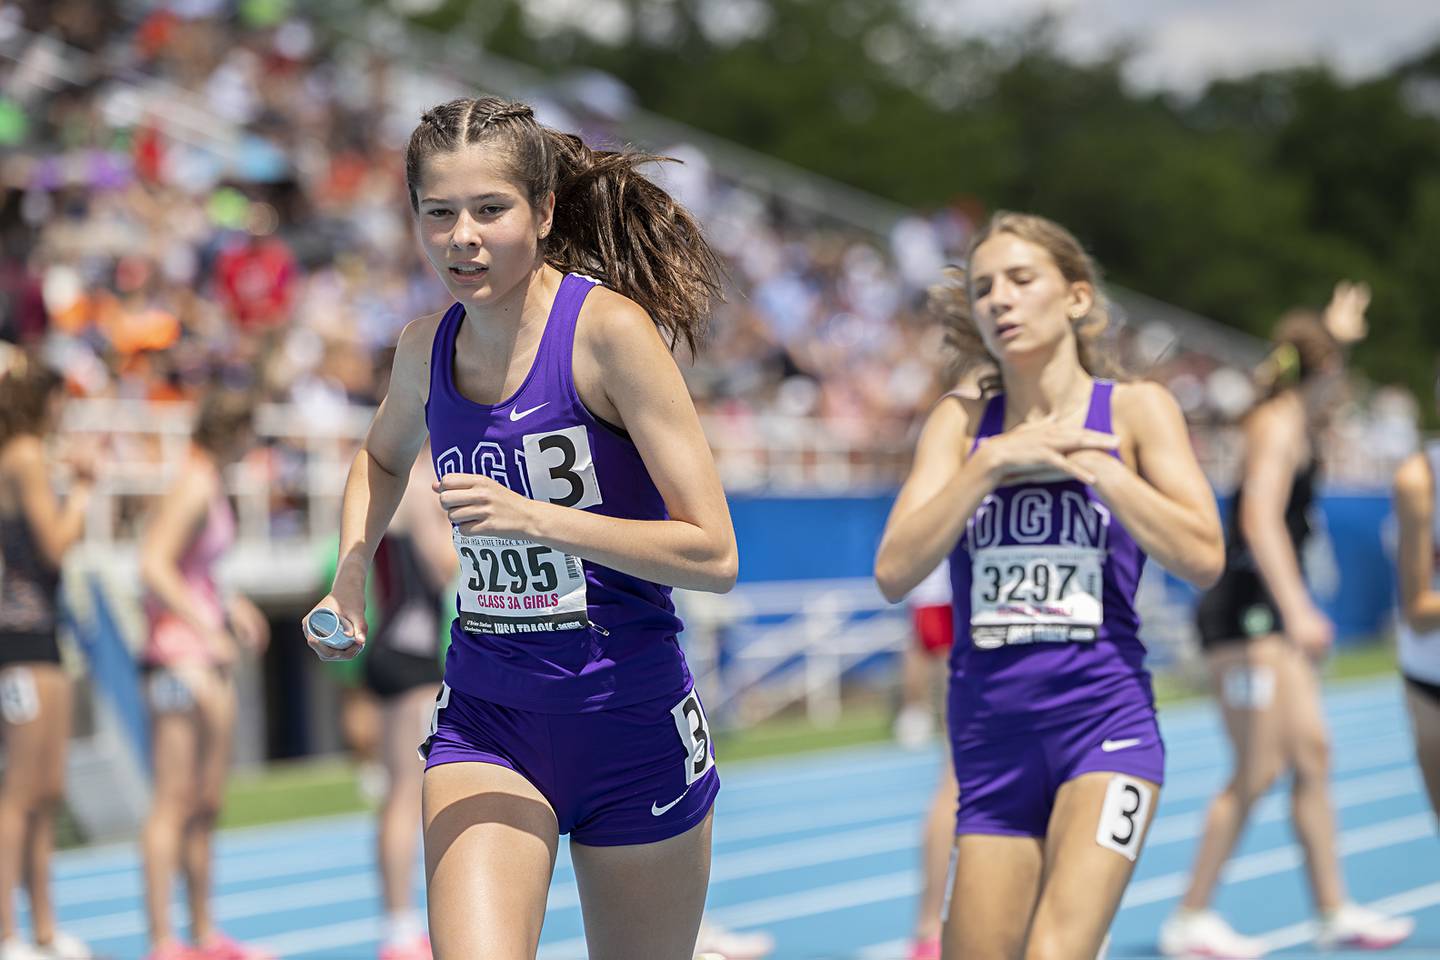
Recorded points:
(55, 699)
(215, 705)
(644, 900)
(1425, 720)
(997, 884)
(937, 841)
(1308, 745)
(1084, 881)
(174, 738)
(1245, 678)
(31, 790)
(490, 843)
(403, 727)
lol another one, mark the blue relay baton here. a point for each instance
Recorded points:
(324, 625)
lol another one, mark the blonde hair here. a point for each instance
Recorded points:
(951, 302)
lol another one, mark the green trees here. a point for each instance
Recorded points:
(1249, 198)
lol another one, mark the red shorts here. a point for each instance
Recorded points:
(934, 626)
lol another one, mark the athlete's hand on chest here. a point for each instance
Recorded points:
(480, 507)
(1040, 447)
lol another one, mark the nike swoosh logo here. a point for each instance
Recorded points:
(522, 414)
(658, 811)
(1110, 746)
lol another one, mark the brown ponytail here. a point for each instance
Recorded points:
(1302, 348)
(611, 222)
(26, 386)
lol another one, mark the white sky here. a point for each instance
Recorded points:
(1185, 42)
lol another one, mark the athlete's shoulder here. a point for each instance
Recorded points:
(1414, 480)
(411, 368)
(966, 409)
(1138, 405)
(953, 421)
(420, 332)
(609, 322)
(1143, 396)
(21, 451)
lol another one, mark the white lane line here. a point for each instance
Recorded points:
(1380, 752)
(1178, 827)
(788, 906)
(898, 828)
(904, 884)
(258, 865)
(234, 906)
(308, 891)
(348, 933)
(746, 776)
(1408, 901)
(895, 886)
(796, 855)
(1266, 863)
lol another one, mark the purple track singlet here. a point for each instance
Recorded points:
(1044, 583)
(539, 629)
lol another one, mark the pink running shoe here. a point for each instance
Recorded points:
(925, 949)
(221, 947)
(174, 950)
(417, 948)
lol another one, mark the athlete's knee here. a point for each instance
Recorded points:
(1312, 758)
(1056, 944)
(48, 798)
(205, 813)
(1248, 786)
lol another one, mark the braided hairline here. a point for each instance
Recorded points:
(517, 111)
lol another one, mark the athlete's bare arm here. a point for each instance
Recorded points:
(1165, 503)
(377, 479)
(1415, 551)
(1275, 448)
(946, 486)
(55, 526)
(939, 495)
(625, 375)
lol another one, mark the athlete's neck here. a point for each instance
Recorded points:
(499, 325)
(1055, 386)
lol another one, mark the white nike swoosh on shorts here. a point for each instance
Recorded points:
(522, 414)
(1110, 746)
(658, 811)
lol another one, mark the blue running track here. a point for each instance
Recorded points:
(821, 851)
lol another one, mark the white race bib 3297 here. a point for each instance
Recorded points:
(1036, 593)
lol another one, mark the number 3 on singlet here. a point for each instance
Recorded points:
(516, 586)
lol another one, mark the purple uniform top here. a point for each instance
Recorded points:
(1045, 625)
(538, 629)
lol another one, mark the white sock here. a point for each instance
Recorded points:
(403, 925)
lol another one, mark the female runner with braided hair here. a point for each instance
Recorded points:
(580, 489)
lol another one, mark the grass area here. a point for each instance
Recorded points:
(294, 790)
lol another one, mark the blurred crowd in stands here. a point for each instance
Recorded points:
(207, 189)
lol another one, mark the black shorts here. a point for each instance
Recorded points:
(1236, 610)
(1430, 691)
(389, 672)
(37, 646)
